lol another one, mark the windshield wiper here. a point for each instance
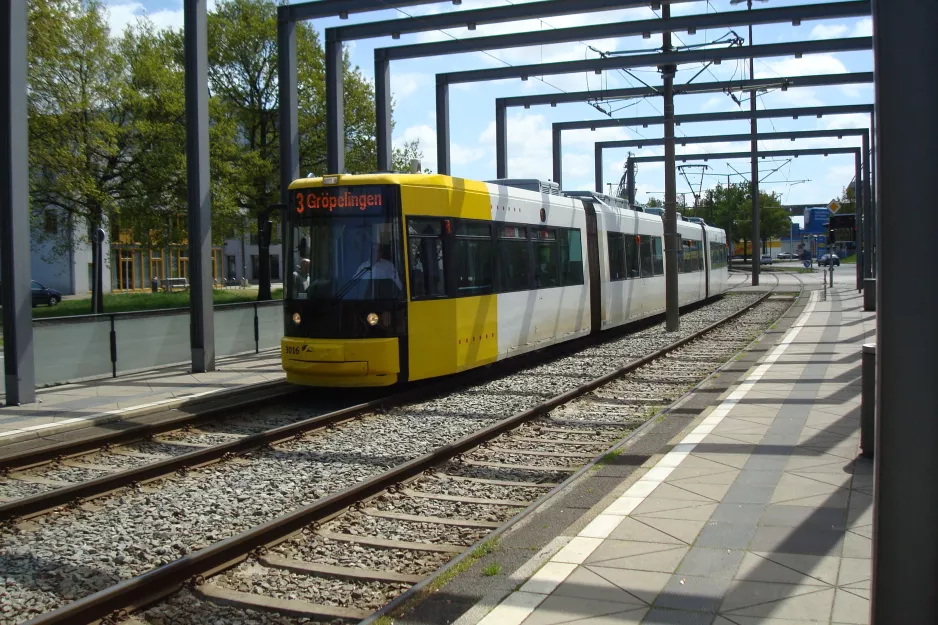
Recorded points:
(342, 292)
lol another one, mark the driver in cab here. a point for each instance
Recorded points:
(382, 268)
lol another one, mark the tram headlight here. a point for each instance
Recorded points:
(296, 318)
(372, 319)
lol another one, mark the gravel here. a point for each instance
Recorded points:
(446, 509)
(314, 548)
(282, 584)
(66, 474)
(360, 524)
(132, 532)
(478, 490)
(15, 489)
(184, 608)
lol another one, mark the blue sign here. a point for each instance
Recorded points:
(807, 264)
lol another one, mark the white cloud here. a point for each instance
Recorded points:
(806, 65)
(459, 155)
(864, 28)
(828, 31)
(407, 83)
(123, 14)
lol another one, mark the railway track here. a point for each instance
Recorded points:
(403, 524)
(36, 481)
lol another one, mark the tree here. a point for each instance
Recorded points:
(155, 98)
(725, 207)
(243, 76)
(654, 202)
(404, 154)
(79, 147)
(774, 222)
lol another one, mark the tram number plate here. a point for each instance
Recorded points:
(292, 350)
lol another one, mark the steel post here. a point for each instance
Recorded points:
(202, 324)
(671, 240)
(501, 139)
(754, 164)
(556, 157)
(859, 215)
(335, 104)
(598, 168)
(16, 296)
(905, 506)
(873, 155)
(630, 179)
(289, 124)
(383, 111)
(868, 400)
(867, 211)
(442, 125)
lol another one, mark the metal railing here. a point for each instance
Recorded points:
(69, 349)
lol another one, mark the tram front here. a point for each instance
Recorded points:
(345, 311)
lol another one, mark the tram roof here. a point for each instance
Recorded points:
(341, 180)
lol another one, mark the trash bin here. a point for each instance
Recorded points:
(155, 285)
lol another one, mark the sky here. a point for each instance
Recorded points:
(805, 180)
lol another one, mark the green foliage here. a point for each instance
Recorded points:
(730, 208)
(107, 119)
(402, 155)
(654, 202)
(79, 146)
(492, 569)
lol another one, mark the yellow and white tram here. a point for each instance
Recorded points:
(401, 277)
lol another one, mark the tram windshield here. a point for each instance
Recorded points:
(344, 245)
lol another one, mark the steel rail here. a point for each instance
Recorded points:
(191, 568)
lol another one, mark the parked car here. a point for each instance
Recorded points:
(826, 258)
(785, 256)
(765, 259)
(44, 295)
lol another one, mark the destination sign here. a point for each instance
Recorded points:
(368, 200)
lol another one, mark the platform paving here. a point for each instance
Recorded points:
(761, 514)
(80, 405)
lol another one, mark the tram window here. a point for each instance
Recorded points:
(686, 257)
(645, 249)
(632, 263)
(426, 259)
(571, 257)
(467, 228)
(473, 266)
(546, 258)
(657, 253)
(616, 256)
(514, 259)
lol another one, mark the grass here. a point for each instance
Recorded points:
(609, 457)
(128, 302)
(492, 569)
(479, 552)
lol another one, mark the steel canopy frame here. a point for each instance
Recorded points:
(443, 81)
(864, 208)
(778, 153)
(394, 28)
(814, 111)
(287, 17)
(852, 8)
(503, 104)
